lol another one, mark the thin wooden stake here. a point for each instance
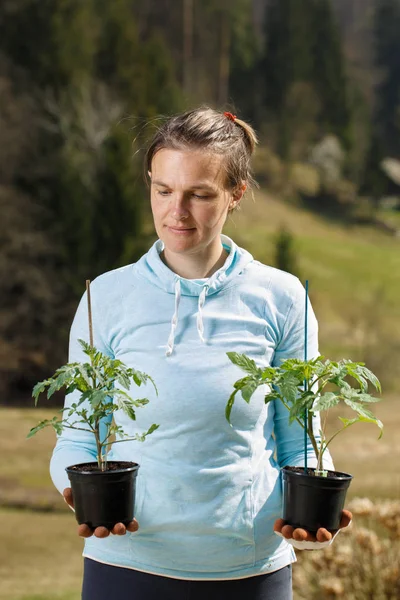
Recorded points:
(89, 313)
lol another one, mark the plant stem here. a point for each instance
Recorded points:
(333, 436)
(320, 465)
(311, 434)
(100, 462)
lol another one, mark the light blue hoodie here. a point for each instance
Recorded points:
(207, 493)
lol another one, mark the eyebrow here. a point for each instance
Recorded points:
(197, 186)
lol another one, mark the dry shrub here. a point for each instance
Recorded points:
(362, 564)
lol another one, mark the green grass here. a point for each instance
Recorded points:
(24, 476)
(52, 596)
(353, 273)
(40, 556)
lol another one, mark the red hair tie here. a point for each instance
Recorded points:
(230, 116)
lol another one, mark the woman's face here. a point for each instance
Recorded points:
(189, 201)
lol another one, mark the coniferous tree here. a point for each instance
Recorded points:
(302, 46)
(387, 56)
(285, 258)
(245, 77)
(54, 41)
(329, 77)
(89, 71)
(385, 126)
(288, 48)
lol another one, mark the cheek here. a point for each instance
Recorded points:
(156, 207)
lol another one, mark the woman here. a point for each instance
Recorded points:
(208, 495)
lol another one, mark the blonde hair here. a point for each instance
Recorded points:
(212, 131)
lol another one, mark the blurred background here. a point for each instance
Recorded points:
(83, 84)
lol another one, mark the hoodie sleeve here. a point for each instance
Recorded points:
(74, 446)
(290, 437)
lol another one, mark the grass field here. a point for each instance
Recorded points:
(354, 279)
(40, 554)
(345, 266)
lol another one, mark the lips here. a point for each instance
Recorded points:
(181, 228)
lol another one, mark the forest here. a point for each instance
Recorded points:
(83, 86)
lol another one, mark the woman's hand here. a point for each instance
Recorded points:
(301, 535)
(101, 532)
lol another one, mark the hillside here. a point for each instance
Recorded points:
(353, 273)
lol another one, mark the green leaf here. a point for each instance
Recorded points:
(326, 401)
(303, 402)
(363, 419)
(368, 398)
(229, 405)
(140, 401)
(84, 370)
(152, 428)
(97, 398)
(249, 389)
(271, 396)
(38, 427)
(87, 348)
(54, 422)
(269, 375)
(52, 388)
(38, 389)
(124, 380)
(244, 362)
(128, 409)
(288, 387)
(372, 378)
(359, 408)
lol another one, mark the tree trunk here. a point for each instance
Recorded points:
(225, 41)
(187, 46)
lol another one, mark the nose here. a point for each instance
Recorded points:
(179, 210)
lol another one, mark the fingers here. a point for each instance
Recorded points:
(302, 535)
(133, 526)
(67, 493)
(84, 531)
(102, 532)
(287, 531)
(323, 535)
(279, 523)
(345, 519)
(118, 529)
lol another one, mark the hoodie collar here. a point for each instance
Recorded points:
(156, 272)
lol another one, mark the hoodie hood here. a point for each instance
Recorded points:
(152, 268)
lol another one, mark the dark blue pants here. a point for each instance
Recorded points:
(105, 582)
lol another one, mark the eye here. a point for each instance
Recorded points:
(200, 197)
(163, 192)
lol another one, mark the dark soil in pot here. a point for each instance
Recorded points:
(311, 501)
(103, 497)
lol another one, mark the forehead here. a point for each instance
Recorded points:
(187, 167)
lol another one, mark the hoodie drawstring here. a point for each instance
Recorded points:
(174, 321)
(200, 326)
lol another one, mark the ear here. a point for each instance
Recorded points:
(237, 195)
(149, 174)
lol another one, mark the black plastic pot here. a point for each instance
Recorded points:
(103, 497)
(311, 501)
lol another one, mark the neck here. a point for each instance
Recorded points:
(196, 266)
